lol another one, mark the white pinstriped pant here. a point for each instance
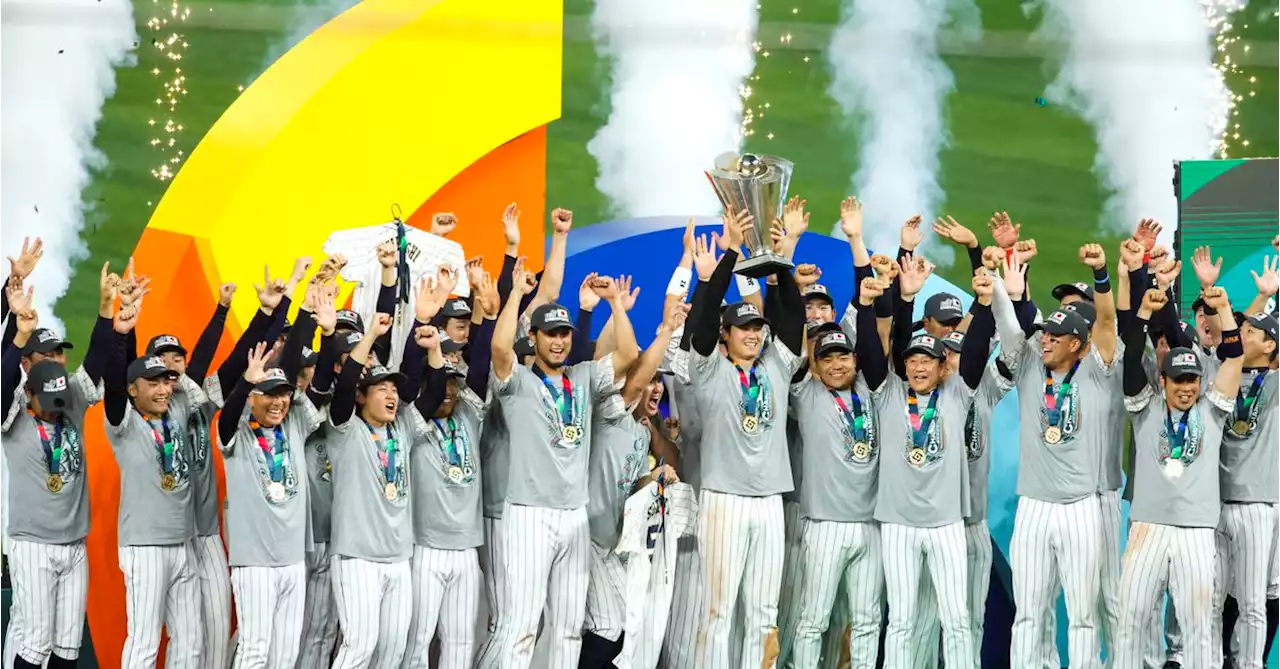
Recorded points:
(925, 635)
(942, 551)
(1052, 541)
(319, 617)
(741, 540)
(374, 602)
(215, 599)
(50, 583)
(1109, 566)
(1184, 556)
(606, 614)
(1246, 540)
(162, 590)
(446, 596)
(269, 604)
(688, 600)
(492, 565)
(836, 554)
(792, 580)
(546, 554)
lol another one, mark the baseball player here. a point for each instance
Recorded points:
(545, 517)
(262, 436)
(942, 315)
(1175, 509)
(148, 436)
(742, 399)
(44, 448)
(1058, 525)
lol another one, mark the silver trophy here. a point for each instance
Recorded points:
(757, 184)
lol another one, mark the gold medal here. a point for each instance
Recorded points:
(916, 456)
(389, 492)
(1240, 427)
(168, 482)
(54, 482)
(328, 466)
(1173, 468)
(750, 424)
(861, 450)
(572, 433)
(455, 473)
(276, 491)
(1052, 434)
(653, 463)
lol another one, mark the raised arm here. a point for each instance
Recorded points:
(388, 303)
(26, 321)
(504, 331)
(789, 326)
(271, 297)
(207, 345)
(255, 371)
(638, 377)
(1135, 378)
(1268, 284)
(115, 391)
(1007, 290)
(344, 393)
(435, 377)
(302, 333)
(706, 327)
(872, 361)
(976, 346)
(1231, 350)
(583, 348)
(626, 350)
(553, 273)
(1103, 334)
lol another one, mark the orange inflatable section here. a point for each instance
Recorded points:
(184, 294)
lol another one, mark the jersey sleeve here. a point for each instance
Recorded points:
(309, 417)
(86, 392)
(993, 386)
(790, 361)
(1220, 406)
(16, 409)
(603, 381)
(1102, 369)
(512, 383)
(1138, 404)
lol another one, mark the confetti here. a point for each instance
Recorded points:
(170, 45)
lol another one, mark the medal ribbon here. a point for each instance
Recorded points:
(1053, 401)
(562, 396)
(750, 389)
(920, 424)
(164, 443)
(52, 450)
(275, 456)
(1245, 404)
(386, 452)
(450, 439)
(1178, 436)
(855, 420)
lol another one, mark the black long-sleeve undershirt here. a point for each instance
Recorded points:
(504, 279)
(10, 376)
(1135, 375)
(433, 391)
(583, 348)
(481, 357)
(386, 305)
(256, 332)
(344, 393)
(975, 258)
(321, 388)
(900, 335)
(201, 357)
(872, 361)
(115, 400)
(411, 364)
(706, 333)
(101, 344)
(232, 409)
(302, 333)
(695, 303)
(976, 346)
(789, 325)
(859, 273)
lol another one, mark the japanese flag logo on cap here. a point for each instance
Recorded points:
(748, 310)
(951, 303)
(48, 335)
(275, 374)
(166, 340)
(55, 385)
(154, 363)
(955, 336)
(459, 304)
(1184, 360)
(558, 315)
(306, 351)
(1058, 316)
(1081, 287)
(354, 337)
(835, 338)
(926, 340)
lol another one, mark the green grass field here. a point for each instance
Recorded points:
(1006, 152)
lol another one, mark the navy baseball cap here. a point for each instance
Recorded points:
(448, 345)
(378, 374)
(1179, 362)
(954, 340)
(451, 370)
(348, 319)
(149, 367)
(815, 328)
(165, 343)
(1062, 322)
(944, 308)
(47, 380)
(834, 341)
(1064, 289)
(523, 347)
(1265, 322)
(345, 342)
(818, 292)
(274, 382)
(44, 340)
(926, 344)
(740, 314)
(309, 357)
(456, 308)
(551, 317)
(1086, 310)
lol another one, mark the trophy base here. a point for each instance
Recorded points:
(763, 265)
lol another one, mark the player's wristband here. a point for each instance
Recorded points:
(680, 280)
(1101, 280)
(747, 286)
(1231, 346)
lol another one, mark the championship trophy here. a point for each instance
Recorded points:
(758, 185)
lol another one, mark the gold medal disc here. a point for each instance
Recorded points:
(1173, 468)
(54, 482)
(571, 433)
(168, 482)
(861, 450)
(750, 424)
(389, 492)
(1052, 434)
(455, 473)
(1240, 427)
(916, 456)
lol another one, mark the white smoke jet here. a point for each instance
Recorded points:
(1141, 73)
(308, 15)
(59, 59)
(678, 75)
(890, 81)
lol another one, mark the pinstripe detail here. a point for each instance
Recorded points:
(492, 565)
(319, 615)
(162, 590)
(942, 551)
(1184, 556)
(926, 635)
(215, 599)
(446, 596)
(792, 580)
(1109, 565)
(50, 583)
(551, 569)
(1246, 539)
(688, 596)
(741, 540)
(269, 604)
(1051, 542)
(839, 554)
(607, 594)
(374, 602)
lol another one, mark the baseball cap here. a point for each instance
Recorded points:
(1265, 322)
(309, 357)
(378, 374)
(1198, 305)
(348, 319)
(345, 342)
(44, 340)
(149, 367)
(163, 344)
(740, 314)
(954, 340)
(550, 317)
(926, 344)
(814, 328)
(944, 308)
(1086, 310)
(274, 381)
(523, 347)
(1064, 289)
(452, 370)
(1181, 362)
(456, 308)
(448, 345)
(835, 341)
(1063, 322)
(818, 292)
(47, 380)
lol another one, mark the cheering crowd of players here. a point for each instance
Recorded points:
(377, 490)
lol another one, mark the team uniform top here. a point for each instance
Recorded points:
(150, 515)
(495, 458)
(1251, 457)
(37, 514)
(685, 402)
(927, 485)
(548, 456)
(266, 528)
(1181, 491)
(619, 457)
(1153, 378)
(319, 475)
(446, 476)
(735, 461)
(840, 460)
(367, 525)
(977, 426)
(200, 410)
(1067, 471)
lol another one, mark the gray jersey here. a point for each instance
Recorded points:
(320, 479)
(1153, 378)
(795, 455)
(735, 461)
(977, 437)
(839, 466)
(205, 492)
(367, 525)
(1251, 457)
(619, 457)
(1067, 471)
(446, 476)
(927, 485)
(35, 513)
(267, 503)
(149, 514)
(686, 405)
(1182, 492)
(548, 469)
(495, 459)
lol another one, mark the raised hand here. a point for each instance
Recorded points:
(427, 337)
(511, 224)
(1157, 253)
(475, 269)
(300, 267)
(673, 428)
(255, 370)
(561, 221)
(872, 288)
(1269, 281)
(1154, 300)
(704, 258)
(443, 223)
(126, 318)
(587, 297)
(1131, 254)
(910, 236)
(270, 293)
(1207, 270)
(325, 313)
(993, 257)
(486, 294)
(1093, 256)
(948, 228)
(225, 292)
(1025, 249)
(108, 285)
(1216, 298)
(884, 266)
(983, 286)
(778, 239)
(794, 220)
(330, 267)
(628, 294)
(736, 224)
(807, 274)
(381, 324)
(18, 298)
(28, 321)
(675, 311)
(851, 217)
(605, 287)
(133, 288)
(523, 281)
(915, 271)
(1003, 230)
(687, 241)
(446, 282)
(1167, 273)
(388, 254)
(1015, 277)
(1147, 233)
(31, 253)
